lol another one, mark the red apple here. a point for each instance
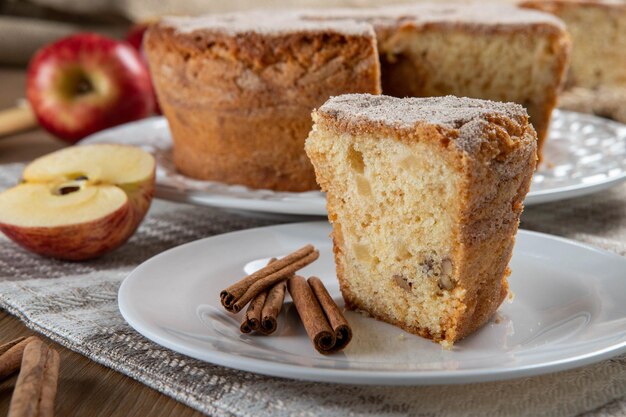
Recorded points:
(135, 35)
(80, 202)
(135, 38)
(85, 83)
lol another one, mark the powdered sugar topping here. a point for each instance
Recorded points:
(404, 113)
(268, 23)
(489, 14)
(467, 115)
(356, 21)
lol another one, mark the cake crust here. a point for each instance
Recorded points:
(238, 94)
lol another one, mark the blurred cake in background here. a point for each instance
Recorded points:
(238, 90)
(604, 101)
(598, 30)
(596, 81)
(491, 51)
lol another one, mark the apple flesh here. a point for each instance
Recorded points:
(80, 202)
(85, 83)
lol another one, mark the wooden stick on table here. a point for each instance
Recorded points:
(17, 119)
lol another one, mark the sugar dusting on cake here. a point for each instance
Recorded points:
(355, 21)
(491, 15)
(270, 23)
(467, 115)
(494, 14)
(404, 113)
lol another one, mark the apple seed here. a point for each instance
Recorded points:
(68, 189)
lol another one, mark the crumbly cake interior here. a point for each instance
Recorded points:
(424, 196)
(397, 209)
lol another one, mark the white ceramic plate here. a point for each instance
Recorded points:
(584, 154)
(569, 310)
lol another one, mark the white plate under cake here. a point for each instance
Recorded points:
(566, 313)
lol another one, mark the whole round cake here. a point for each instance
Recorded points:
(238, 90)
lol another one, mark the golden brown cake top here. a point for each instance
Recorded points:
(467, 122)
(270, 23)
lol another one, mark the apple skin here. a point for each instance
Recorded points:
(83, 241)
(86, 82)
(134, 36)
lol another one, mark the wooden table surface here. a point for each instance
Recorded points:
(85, 388)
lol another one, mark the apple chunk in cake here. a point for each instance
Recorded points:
(424, 195)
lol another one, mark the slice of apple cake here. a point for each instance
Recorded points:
(424, 195)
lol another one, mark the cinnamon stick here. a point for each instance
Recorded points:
(11, 359)
(232, 294)
(252, 318)
(311, 314)
(50, 382)
(336, 319)
(244, 327)
(25, 400)
(10, 344)
(266, 281)
(272, 307)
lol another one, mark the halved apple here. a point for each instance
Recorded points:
(80, 202)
